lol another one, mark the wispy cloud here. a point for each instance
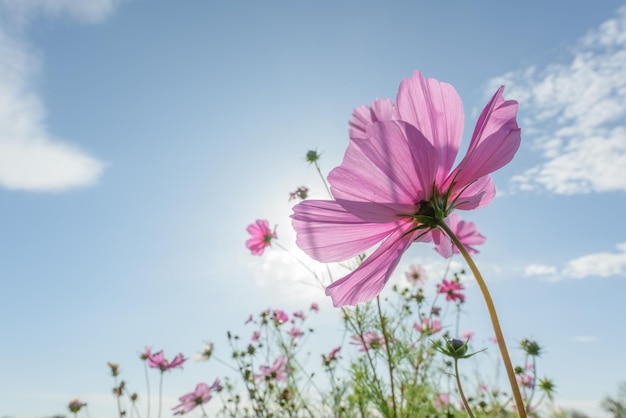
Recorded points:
(574, 112)
(603, 264)
(31, 157)
(585, 339)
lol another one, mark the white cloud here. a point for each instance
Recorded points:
(539, 270)
(31, 157)
(591, 265)
(86, 11)
(574, 112)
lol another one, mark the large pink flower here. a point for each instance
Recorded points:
(262, 236)
(396, 183)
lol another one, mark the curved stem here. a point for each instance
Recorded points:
(494, 319)
(458, 384)
(319, 171)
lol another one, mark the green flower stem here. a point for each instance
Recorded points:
(458, 384)
(494, 319)
(389, 358)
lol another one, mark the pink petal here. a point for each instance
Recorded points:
(495, 141)
(436, 110)
(478, 194)
(327, 232)
(368, 280)
(362, 117)
(393, 170)
(443, 245)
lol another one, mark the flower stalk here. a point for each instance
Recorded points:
(519, 402)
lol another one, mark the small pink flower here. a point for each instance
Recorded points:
(146, 353)
(315, 307)
(484, 387)
(494, 340)
(248, 320)
(370, 340)
(262, 236)
(277, 371)
(255, 336)
(201, 395)
(158, 361)
(416, 275)
(299, 315)
(526, 380)
(332, 356)
(467, 335)
(465, 231)
(427, 327)
(452, 290)
(280, 317)
(295, 333)
(441, 401)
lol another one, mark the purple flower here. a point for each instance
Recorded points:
(397, 184)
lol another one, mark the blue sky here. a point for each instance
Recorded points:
(139, 138)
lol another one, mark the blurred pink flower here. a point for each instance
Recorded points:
(295, 332)
(466, 232)
(427, 327)
(452, 290)
(279, 317)
(315, 307)
(441, 401)
(332, 356)
(370, 340)
(250, 317)
(299, 314)
(158, 361)
(75, 406)
(277, 371)
(467, 335)
(526, 380)
(201, 395)
(416, 275)
(255, 336)
(396, 183)
(262, 236)
(494, 339)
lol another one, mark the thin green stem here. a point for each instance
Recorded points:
(302, 263)
(319, 171)
(389, 358)
(460, 387)
(145, 368)
(160, 394)
(494, 319)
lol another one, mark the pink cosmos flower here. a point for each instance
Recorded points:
(295, 333)
(416, 275)
(370, 340)
(442, 401)
(427, 327)
(299, 315)
(262, 236)
(330, 357)
(396, 183)
(280, 317)
(248, 320)
(452, 290)
(466, 232)
(526, 380)
(315, 307)
(158, 361)
(201, 395)
(467, 335)
(255, 336)
(277, 371)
